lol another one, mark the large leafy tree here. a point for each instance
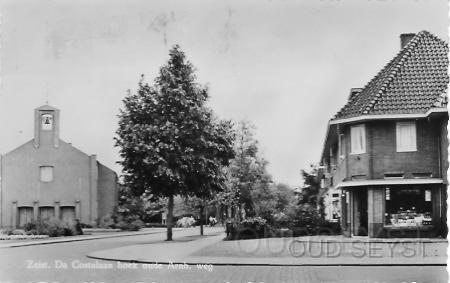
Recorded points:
(170, 141)
(311, 194)
(247, 171)
(309, 211)
(272, 201)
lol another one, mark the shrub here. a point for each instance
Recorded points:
(131, 223)
(31, 232)
(85, 225)
(250, 228)
(155, 225)
(307, 220)
(185, 222)
(67, 231)
(30, 226)
(125, 220)
(18, 232)
(329, 228)
(106, 222)
(51, 227)
(135, 225)
(7, 231)
(280, 219)
(22, 237)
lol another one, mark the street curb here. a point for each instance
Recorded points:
(62, 240)
(232, 261)
(370, 241)
(269, 264)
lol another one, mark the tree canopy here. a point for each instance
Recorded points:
(247, 170)
(170, 142)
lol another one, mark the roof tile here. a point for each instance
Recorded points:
(414, 81)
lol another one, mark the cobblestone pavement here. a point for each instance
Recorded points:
(28, 264)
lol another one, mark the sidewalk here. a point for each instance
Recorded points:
(55, 240)
(304, 251)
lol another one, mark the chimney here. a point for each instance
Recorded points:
(405, 38)
(354, 92)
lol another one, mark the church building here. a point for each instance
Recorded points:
(47, 177)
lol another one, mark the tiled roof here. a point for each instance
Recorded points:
(413, 82)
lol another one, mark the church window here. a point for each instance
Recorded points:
(46, 173)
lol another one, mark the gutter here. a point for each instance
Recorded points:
(379, 182)
(379, 117)
(389, 116)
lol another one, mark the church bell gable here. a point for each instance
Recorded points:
(46, 126)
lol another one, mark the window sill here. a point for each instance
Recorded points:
(407, 150)
(357, 153)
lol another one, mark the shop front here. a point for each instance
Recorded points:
(394, 210)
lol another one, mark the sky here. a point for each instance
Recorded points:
(286, 66)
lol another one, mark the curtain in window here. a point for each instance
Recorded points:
(358, 139)
(406, 136)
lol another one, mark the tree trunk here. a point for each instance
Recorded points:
(237, 213)
(201, 220)
(218, 214)
(169, 218)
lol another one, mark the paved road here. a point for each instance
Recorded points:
(16, 267)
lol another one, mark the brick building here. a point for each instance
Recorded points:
(47, 177)
(385, 151)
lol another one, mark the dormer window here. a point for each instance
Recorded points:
(406, 136)
(358, 139)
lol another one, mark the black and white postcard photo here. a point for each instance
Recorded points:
(228, 141)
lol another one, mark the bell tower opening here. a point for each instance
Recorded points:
(47, 122)
(46, 126)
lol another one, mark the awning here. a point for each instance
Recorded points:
(385, 182)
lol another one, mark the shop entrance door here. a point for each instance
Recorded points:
(360, 215)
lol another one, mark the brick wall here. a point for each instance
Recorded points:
(387, 159)
(381, 155)
(107, 190)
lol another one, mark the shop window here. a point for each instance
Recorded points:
(335, 211)
(358, 139)
(408, 207)
(406, 136)
(46, 173)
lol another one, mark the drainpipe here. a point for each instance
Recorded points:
(439, 156)
(1, 191)
(440, 174)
